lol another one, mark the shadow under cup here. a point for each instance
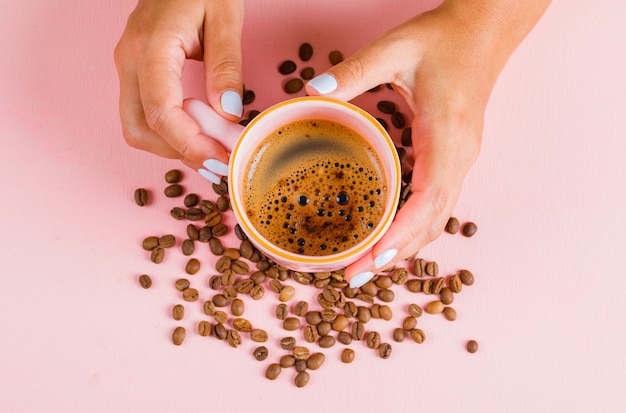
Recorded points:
(309, 108)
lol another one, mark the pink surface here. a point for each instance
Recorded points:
(547, 308)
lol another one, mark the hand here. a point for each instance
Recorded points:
(444, 63)
(159, 37)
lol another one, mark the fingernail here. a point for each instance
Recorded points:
(324, 84)
(215, 166)
(361, 278)
(209, 176)
(384, 257)
(231, 103)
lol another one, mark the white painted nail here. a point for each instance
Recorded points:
(361, 278)
(215, 166)
(231, 103)
(324, 84)
(209, 176)
(384, 257)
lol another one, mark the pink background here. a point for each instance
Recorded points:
(547, 308)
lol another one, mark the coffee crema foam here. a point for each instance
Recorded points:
(315, 187)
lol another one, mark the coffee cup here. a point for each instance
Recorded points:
(332, 174)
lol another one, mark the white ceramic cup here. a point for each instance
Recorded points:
(243, 143)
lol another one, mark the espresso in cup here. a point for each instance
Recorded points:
(315, 187)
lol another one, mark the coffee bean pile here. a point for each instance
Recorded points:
(337, 314)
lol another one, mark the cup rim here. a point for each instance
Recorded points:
(354, 251)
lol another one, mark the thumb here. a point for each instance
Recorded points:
(371, 66)
(223, 58)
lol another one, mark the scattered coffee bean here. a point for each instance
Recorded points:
(415, 310)
(193, 266)
(310, 334)
(293, 85)
(386, 106)
(406, 138)
(145, 281)
(414, 286)
(173, 176)
(467, 277)
(386, 295)
(178, 336)
(287, 343)
(307, 73)
(243, 325)
(178, 213)
(432, 268)
(286, 293)
(191, 295)
(449, 313)
(438, 284)
(258, 335)
(398, 120)
(239, 233)
(455, 284)
(302, 379)
(418, 267)
(417, 335)
(273, 371)
(248, 97)
(344, 338)
(141, 197)
(220, 317)
(240, 267)
(287, 361)
(173, 191)
(150, 243)
(157, 255)
(219, 300)
(472, 346)
(315, 361)
(324, 328)
(181, 284)
(257, 292)
(453, 225)
(301, 353)
(191, 200)
(305, 52)
(287, 67)
(469, 229)
(188, 247)
(215, 245)
(335, 57)
(194, 214)
(385, 312)
(222, 204)
(219, 230)
(427, 287)
(237, 307)
(398, 335)
(326, 342)
(409, 323)
(205, 328)
(400, 276)
(384, 351)
(358, 330)
(434, 307)
(446, 296)
(261, 353)
(291, 323)
(208, 307)
(178, 312)
(383, 123)
(301, 308)
(373, 340)
(205, 233)
(221, 188)
(347, 355)
(220, 331)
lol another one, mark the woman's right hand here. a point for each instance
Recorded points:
(159, 37)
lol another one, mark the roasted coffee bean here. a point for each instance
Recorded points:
(167, 241)
(344, 338)
(330, 294)
(237, 307)
(193, 266)
(469, 229)
(157, 255)
(293, 85)
(375, 310)
(234, 338)
(307, 73)
(215, 282)
(260, 353)
(398, 335)
(446, 296)
(287, 361)
(291, 323)
(205, 328)
(417, 335)
(220, 300)
(246, 249)
(248, 97)
(384, 351)
(384, 282)
(178, 336)
(438, 284)
(178, 312)
(206, 206)
(373, 340)
(453, 225)
(472, 346)
(414, 286)
(222, 203)
(244, 286)
(467, 277)
(150, 243)
(406, 138)
(350, 309)
(287, 67)
(276, 286)
(305, 52)
(427, 287)
(434, 307)
(181, 284)
(208, 307)
(173, 190)
(324, 328)
(400, 276)
(239, 233)
(365, 297)
(178, 213)
(205, 233)
(241, 324)
(386, 106)
(363, 314)
(335, 57)
(220, 317)
(173, 176)
(220, 331)
(301, 353)
(145, 281)
(222, 187)
(358, 330)
(383, 123)
(191, 295)
(328, 314)
(340, 322)
(310, 334)
(369, 288)
(449, 313)
(223, 264)
(300, 308)
(229, 278)
(141, 197)
(313, 317)
(215, 245)
(386, 295)
(347, 355)
(213, 218)
(299, 365)
(188, 247)
(302, 379)
(415, 310)
(324, 303)
(418, 267)
(409, 323)
(191, 200)
(262, 264)
(326, 342)
(231, 253)
(286, 293)
(385, 312)
(287, 343)
(219, 230)
(258, 277)
(230, 292)
(398, 120)
(240, 267)
(455, 284)
(258, 335)
(315, 361)
(432, 268)
(273, 371)
(257, 292)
